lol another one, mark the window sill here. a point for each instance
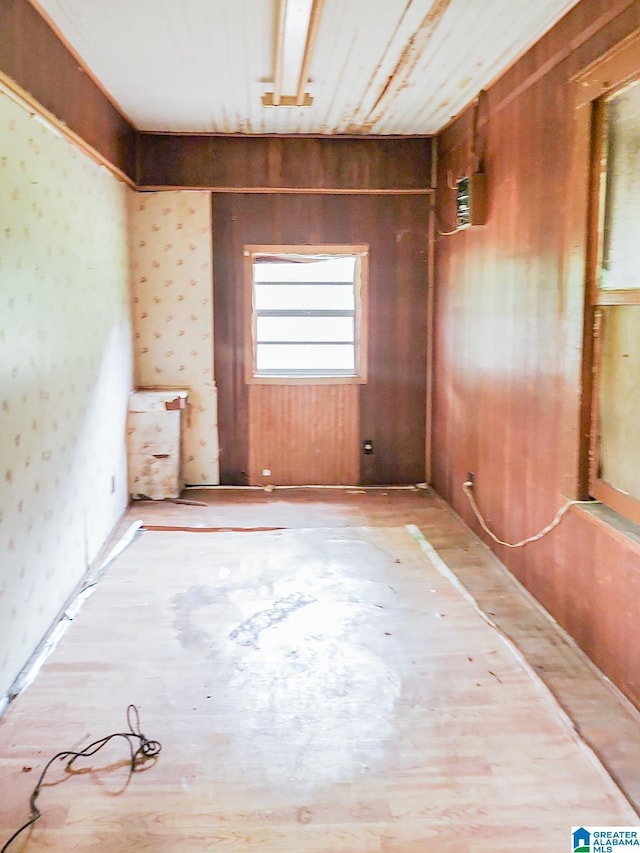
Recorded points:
(622, 530)
(306, 380)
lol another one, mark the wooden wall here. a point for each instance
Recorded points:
(33, 56)
(392, 403)
(304, 434)
(508, 333)
(281, 163)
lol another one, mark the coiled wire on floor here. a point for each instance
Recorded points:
(145, 750)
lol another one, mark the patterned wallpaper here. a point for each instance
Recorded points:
(65, 373)
(172, 287)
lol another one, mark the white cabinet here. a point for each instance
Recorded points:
(154, 443)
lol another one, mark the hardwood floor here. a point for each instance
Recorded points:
(318, 687)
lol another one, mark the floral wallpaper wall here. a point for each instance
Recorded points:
(65, 374)
(172, 287)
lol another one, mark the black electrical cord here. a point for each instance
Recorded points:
(145, 750)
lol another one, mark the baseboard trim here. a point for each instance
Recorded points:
(82, 592)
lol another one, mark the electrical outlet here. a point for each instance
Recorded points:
(266, 472)
(471, 478)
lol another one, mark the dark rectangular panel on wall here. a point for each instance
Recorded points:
(274, 163)
(33, 56)
(392, 403)
(508, 332)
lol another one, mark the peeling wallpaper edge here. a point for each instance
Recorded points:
(171, 245)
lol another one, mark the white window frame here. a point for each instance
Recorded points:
(300, 377)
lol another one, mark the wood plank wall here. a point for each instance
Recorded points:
(507, 344)
(33, 56)
(304, 434)
(392, 403)
(281, 163)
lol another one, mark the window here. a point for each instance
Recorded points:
(306, 313)
(615, 303)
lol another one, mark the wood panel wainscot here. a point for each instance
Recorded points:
(303, 434)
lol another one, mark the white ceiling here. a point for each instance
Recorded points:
(378, 66)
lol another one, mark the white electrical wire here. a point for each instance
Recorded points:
(438, 223)
(447, 233)
(467, 487)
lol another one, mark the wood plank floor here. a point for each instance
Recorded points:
(317, 688)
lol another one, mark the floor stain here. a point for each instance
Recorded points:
(183, 606)
(248, 632)
(304, 815)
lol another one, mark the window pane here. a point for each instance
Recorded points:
(295, 358)
(621, 216)
(305, 329)
(341, 268)
(304, 297)
(620, 399)
(294, 295)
